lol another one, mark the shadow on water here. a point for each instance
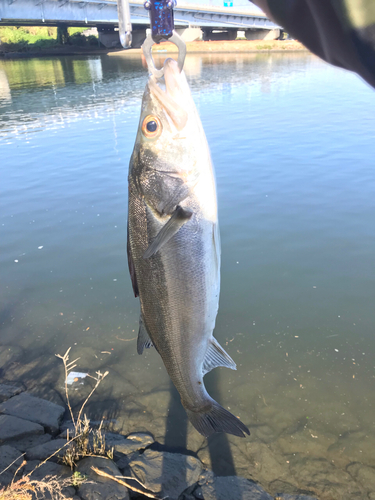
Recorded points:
(177, 422)
(26, 366)
(221, 458)
(222, 462)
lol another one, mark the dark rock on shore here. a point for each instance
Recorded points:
(45, 450)
(35, 410)
(16, 428)
(8, 454)
(99, 487)
(47, 469)
(173, 476)
(166, 474)
(223, 488)
(126, 445)
(31, 441)
(8, 391)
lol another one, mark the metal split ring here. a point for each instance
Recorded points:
(147, 51)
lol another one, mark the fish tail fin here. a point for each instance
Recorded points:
(216, 419)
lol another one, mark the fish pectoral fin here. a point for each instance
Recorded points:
(216, 356)
(179, 217)
(143, 341)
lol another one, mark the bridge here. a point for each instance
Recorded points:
(216, 22)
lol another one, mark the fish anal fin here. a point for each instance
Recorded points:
(216, 356)
(178, 218)
(143, 341)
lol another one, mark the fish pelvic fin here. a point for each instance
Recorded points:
(216, 419)
(143, 341)
(179, 217)
(216, 356)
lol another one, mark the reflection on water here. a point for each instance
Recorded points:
(5, 94)
(292, 142)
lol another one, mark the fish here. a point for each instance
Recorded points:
(174, 246)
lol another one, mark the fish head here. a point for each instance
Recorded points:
(169, 131)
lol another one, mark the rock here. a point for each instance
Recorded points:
(8, 454)
(47, 469)
(319, 474)
(35, 410)
(164, 473)
(225, 487)
(69, 492)
(126, 445)
(8, 391)
(99, 487)
(123, 461)
(364, 474)
(355, 446)
(45, 450)
(17, 428)
(194, 492)
(31, 441)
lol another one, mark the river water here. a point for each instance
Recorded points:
(292, 140)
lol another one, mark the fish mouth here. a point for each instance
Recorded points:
(174, 95)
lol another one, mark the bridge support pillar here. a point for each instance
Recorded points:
(262, 34)
(138, 37)
(62, 34)
(230, 34)
(109, 37)
(190, 34)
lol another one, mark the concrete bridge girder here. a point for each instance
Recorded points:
(110, 37)
(263, 34)
(230, 34)
(103, 14)
(95, 12)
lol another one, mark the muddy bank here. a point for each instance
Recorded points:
(234, 46)
(192, 47)
(55, 51)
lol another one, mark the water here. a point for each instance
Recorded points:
(292, 141)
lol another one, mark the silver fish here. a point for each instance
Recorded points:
(174, 247)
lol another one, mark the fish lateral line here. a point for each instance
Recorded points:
(179, 217)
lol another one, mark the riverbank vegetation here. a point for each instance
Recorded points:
(34, 38)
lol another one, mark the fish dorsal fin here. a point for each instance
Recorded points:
(144, 341)
(216, 356)
(177, 220)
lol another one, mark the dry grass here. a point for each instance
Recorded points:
(29, 489)
(120, 480)
(85, 440)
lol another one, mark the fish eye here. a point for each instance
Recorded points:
(151, 127)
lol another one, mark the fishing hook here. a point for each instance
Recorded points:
(162, 29)
(147, 51)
